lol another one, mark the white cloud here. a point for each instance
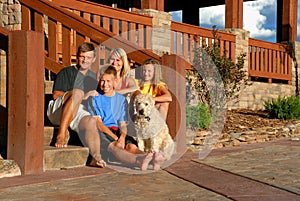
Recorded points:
(254, 21)
(214, 15)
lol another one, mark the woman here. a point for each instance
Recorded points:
(126, 84)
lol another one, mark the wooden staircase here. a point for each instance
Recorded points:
(65, 31)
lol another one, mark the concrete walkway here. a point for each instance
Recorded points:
(261, 171)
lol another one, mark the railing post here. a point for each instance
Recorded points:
(26, 100)
(174, 75)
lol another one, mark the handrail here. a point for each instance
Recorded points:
(105, 11)
(269, 60)
(185, 38)
(82, 27)
(133, 27)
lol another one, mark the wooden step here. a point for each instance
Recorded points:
(61, 158)
(75, 155)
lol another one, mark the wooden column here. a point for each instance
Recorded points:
(234, 14)
(26, 100)
(174, 75)
(287, 14)
(153, 4)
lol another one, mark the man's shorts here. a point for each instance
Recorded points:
(54, 112)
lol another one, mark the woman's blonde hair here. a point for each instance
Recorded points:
(157, 78)
(120, 52)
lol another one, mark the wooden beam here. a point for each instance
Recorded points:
(26, 100)
(287, 15)
(234, 14)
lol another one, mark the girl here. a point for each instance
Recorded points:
(151, 84)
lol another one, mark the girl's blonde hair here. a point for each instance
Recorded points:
(157, 77)
(120, 52)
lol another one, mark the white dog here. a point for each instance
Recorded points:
(151, 129)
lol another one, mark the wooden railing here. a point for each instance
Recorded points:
(133, 27)
(269, 62)
(185, 38)
(48, 18)
(111, 27)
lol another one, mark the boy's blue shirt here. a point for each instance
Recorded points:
(111, 109)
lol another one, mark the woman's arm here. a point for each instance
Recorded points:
(130, 86)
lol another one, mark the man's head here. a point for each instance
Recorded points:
(86, 55)
(108, 80)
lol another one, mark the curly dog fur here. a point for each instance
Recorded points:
(151, 129)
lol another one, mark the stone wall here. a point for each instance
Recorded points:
(10, 18)
(253, 96)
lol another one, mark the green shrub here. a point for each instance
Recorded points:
(198, 116)
(283, 107)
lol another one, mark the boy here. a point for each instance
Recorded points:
(110, 110)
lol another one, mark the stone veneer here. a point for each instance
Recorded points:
(253, 96)
(10, 18)
(161, 23)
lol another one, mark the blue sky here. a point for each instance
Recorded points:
(259, 18)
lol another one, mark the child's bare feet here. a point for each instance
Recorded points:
(98, 163)
(158, 159)
(145, 161)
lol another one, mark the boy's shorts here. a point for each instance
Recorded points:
(106, 139)
(54, 112)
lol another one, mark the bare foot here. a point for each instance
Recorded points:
(145, 161)
(98, 163)
(159, 158)
(60, 141)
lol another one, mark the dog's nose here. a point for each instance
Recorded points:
(141, 112)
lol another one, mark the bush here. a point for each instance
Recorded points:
(233, 75)
(198, 116)
(283, 107)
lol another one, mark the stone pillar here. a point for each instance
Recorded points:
(241, 44)
(10, 18)
(296, 67)
(161, 33)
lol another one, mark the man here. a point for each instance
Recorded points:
(69, 87)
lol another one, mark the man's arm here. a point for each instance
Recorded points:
(57, 94)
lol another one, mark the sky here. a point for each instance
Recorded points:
(259, 18)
